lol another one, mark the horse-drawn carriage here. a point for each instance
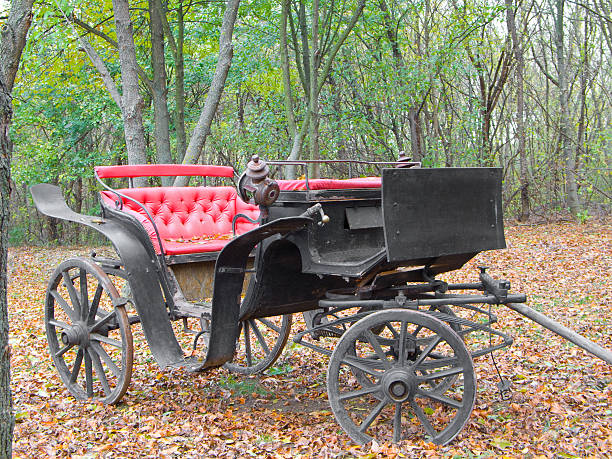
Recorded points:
(358, 257)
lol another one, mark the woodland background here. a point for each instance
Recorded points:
(520, 85)
(523, 85)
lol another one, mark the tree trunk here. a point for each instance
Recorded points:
(564, 121)
(416, 131)
(160, 102)
(584, 70)
(131, 99)
(202, 129)
(176, 46)
(284, 52)
(12, 40)
(313, 80)
(313, 106)
(179, 91)
(520, 110)
(7, 420)
(416, 134)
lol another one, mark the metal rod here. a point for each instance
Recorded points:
(466, 286)
(563, 331)
(354, 303)
(442, 300)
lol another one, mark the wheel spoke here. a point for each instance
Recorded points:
(391, 329)
(88, 375)
(359, 393)
(77, 366)
(63, 350)
(422, 417)
(74, 297)
(107, 358)
(257, 353)
(84, 294)
(376, 345)
(64, 305)
(438, 363)
(441, 398)
(375, 412)
(247, 344)
(105, 319)
(397, 423)
(361, 364)
(105, 339)
(416, 331)
(99, 370)
(58, 323)
(439, 374)
(434, 342)
(402, 342)
(270, 325)
(259, 337)
(94, 304)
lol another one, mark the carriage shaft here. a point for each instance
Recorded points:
(563, 331)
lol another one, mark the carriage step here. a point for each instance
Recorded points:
(199, 310)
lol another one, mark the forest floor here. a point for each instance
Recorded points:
(560, 406)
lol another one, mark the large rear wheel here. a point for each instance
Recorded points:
(88, 332)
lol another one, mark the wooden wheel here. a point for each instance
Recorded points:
(410, 366)
(88, 332)
(260, 343)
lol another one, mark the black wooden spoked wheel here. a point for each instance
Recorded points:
(88, 332)
(260, 343)
(409, 389)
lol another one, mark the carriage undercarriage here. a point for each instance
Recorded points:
(400, 342)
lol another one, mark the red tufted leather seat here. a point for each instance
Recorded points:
(330, 184)
(199, 219)
(189, 219)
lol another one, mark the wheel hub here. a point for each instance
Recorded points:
(399, 384)
(77, 334)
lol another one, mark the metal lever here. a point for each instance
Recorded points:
(312, 211)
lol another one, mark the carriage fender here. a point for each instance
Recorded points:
(229, 277)
(140, 264)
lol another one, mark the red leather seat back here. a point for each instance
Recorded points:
(194, 215)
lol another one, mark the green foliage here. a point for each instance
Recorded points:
(239, 386)
(65, 121)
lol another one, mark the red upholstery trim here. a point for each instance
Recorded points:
(189, 219)
(330, 184)
(163, 170)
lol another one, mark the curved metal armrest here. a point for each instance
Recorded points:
(119, 205)
(238, 216)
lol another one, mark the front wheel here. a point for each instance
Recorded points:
(88, 332)
(419, 373)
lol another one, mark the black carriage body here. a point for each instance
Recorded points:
(434, 218)
(364, 258)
